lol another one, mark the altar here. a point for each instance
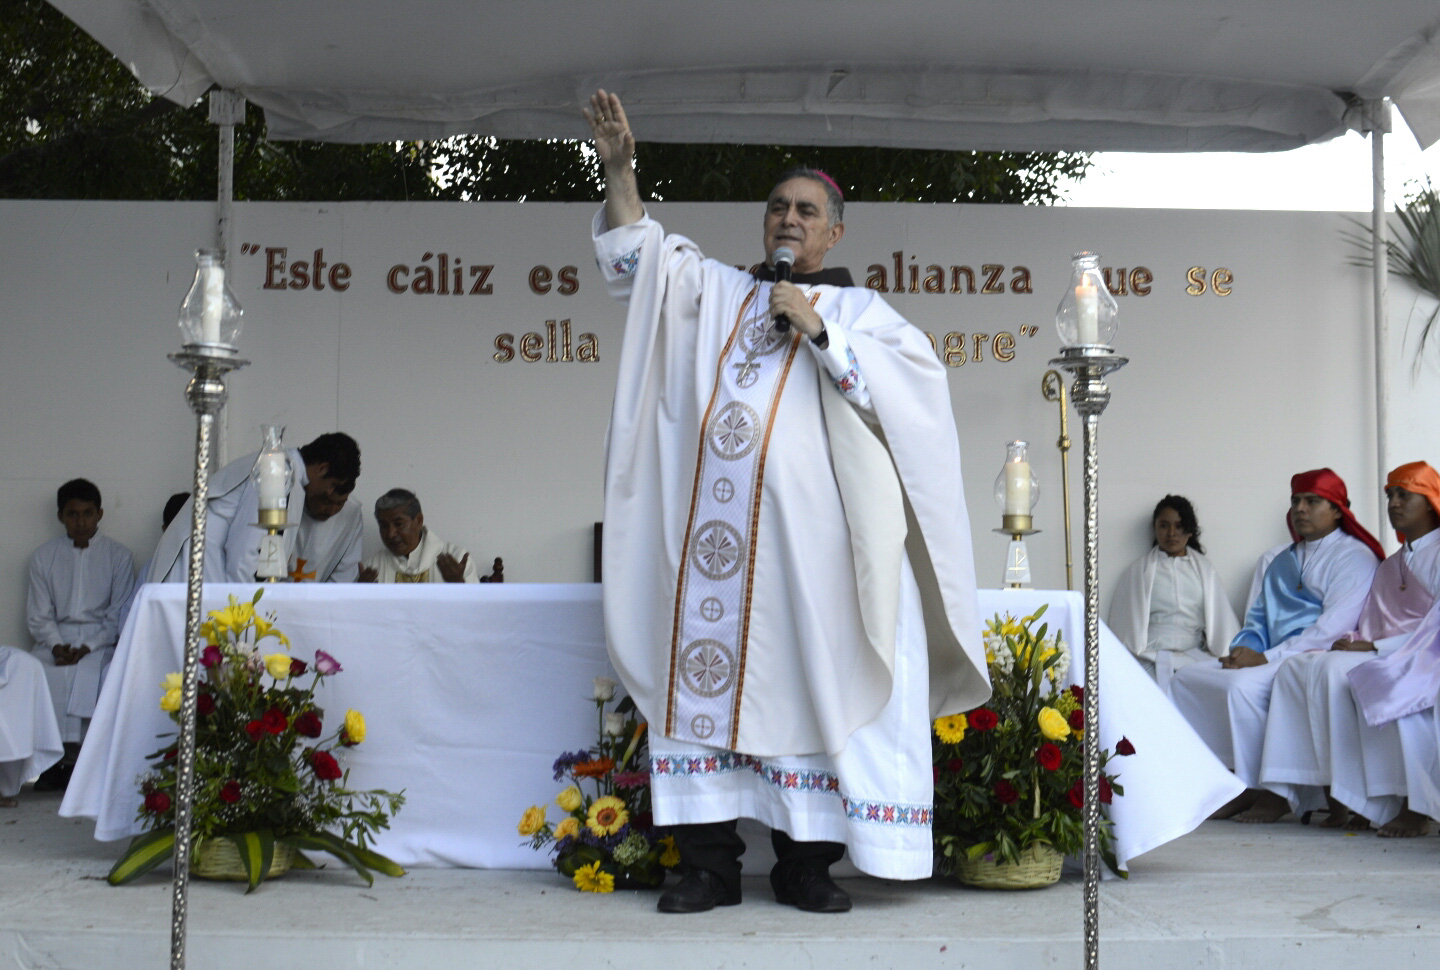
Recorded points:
(471, 692)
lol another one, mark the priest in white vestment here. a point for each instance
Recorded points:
(29, 735)
(325, 468)
(1309, 596)
(329, 540)
(1315, 736)
(1169, 607)
(413, 553)
(79, 584)
(789, 584)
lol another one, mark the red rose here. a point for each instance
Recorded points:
(274, 721)
(308, 725)
(1105, 792)
(205, 705)
(954, 765)
(1077, 720)
(1077, 692)
(325, 765)
(230, 792)
(1048, 756)
(157, 802)
(211, 656)
(256, 730)
(983, 719)
(936, 770)
(1076, 794)
(1124, 747)
(1005, 792)
(298, 668)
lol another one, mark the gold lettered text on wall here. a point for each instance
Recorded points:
(552, 347)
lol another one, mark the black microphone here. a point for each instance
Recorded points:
(784, 259)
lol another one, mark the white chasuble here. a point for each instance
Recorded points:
(757, 536)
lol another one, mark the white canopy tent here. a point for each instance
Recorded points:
(1045, 75)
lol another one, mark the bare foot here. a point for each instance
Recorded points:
(1336, 815)
(7, 802)
(1238, 804)
(1358, 823)
(1406, 825)
(1268, 807)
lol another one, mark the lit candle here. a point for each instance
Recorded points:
(1017, 488)
(272, 480)
(1087, 312)
(214, 305)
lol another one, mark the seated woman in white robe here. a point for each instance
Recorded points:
(29, 736)
(1169, 608)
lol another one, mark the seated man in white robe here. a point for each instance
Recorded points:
(1314, 736)
(1309, 596)
(29, 735)
(329, 539)
(1169, 607)
(326, 468)
(79, 584)
(413, 552)
(786, 635)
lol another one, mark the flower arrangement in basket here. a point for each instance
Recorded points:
(267, 780)
(1009, 776)
(606, 839)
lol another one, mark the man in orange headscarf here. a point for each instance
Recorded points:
(1314, 736)
(1308, 594)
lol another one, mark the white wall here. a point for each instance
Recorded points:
(1224, 398)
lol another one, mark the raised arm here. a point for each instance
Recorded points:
(615, 144)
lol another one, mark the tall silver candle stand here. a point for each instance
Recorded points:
(1089, 365)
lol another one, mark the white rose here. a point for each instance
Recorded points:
(604, 688)
(614, 724)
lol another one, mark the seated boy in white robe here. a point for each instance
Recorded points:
(1310, 595)
(413, 552)
(1314, 736)
(79, 583)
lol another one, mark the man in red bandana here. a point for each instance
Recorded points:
(1314, 736)
(1307, 594)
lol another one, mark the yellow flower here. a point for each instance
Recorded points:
(608, 815)
(171, 700)
(569, 828)
(278, 664)
(570, 799)
(1053, 724)
(593, 879)
(532, 821)
(265, 628)
(670, 857)
(354, 726)
(172, 682)
(212, 633)
(951, 730)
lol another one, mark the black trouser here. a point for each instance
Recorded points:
(716, 846)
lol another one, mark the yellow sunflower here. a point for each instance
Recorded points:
(569, 828)
(670, 856)
(951, 730)
(608, 815)
(593, 879)
(532, 821)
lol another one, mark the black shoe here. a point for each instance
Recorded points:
(54, 778)
(698, 891)
(809, 889)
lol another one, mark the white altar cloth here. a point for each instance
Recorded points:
(470, 692)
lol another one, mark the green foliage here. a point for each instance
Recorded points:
(1009, 774)
(1413, 254)
(75, 124)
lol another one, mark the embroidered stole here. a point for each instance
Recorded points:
(713, 591)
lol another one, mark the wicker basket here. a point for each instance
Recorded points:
(219, 859)
(1039, 866)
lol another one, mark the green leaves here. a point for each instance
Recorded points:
(257, 852)
(145, 853)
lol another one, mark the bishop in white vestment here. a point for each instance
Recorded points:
(1310, 596)
(789, 585)
(413, 553)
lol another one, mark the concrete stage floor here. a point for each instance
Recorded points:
(1227, 896)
